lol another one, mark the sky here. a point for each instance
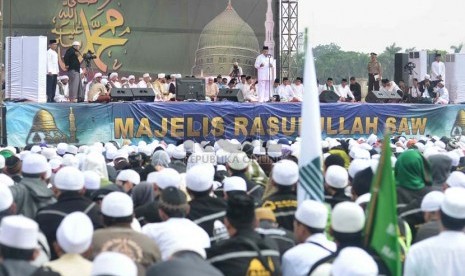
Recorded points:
(367, 25)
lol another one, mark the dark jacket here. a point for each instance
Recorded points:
(71, 59)
(49, 218)
(205, 210)
(184, 263)
(408, 206)
(148, 213)
(338, 197)
(283, 205)
(283, 238)
(10, 267)
(246, 253)
(30, 195)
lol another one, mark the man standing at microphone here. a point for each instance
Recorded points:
(73, 65)
(265, 73)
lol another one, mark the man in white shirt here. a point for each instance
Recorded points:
(248, 91)
(442, 254)
(415, 92)
(309, 226)
(264, 65)
(286, 94)
(236, 71)
(52, 70)
(389, 86)
(344, 93)
(114, 82)
(241, 83)
(298, 89)
(328, 86)
(131, 82)
(442, 94)
(146, 82)
(438, 69)
(62, 90)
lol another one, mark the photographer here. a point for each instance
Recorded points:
(236, 71)
(73, 66)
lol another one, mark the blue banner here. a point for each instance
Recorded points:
(89, 123)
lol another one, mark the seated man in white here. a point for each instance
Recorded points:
(248, 90)
(286, 94)
(442, 94)
(389, 87)
(298, 89)
(344, 93)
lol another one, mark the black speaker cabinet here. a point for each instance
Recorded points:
(121, 94)
(382, 97)
(328, 96)
(143, 94)
(233, 95)
(400, 60)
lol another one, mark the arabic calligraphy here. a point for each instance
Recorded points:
(97, 25)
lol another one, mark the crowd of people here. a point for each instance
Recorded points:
(224, 208)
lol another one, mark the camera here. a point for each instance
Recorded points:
(409, 67)
(88, 57)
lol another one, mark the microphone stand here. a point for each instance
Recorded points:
(269, 76)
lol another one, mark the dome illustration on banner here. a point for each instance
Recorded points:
(45, 130)
(225, 40)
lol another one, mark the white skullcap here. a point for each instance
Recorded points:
(222, 156)
(114, 264)
(104, 81)
(427, 77)
(64, 77)
(179, 152)
(49, 153)
(70, 160)
(455, 157)
(333, 143)
(98, 75)
(146, 75)
(114, 74)
(72, 149)
(76, 43)
(178, 235)
(200, 178)
(324, 144)
(2, 162)
(420, 147)
(55, 163)
(69, 179)
(440, 144)
(312, 213)
(5, 180)
(129, 175)
(357, 165)
(275, 150)
(161, 75)
(23, 154)
(259, 151)
(34, 164)
(234, 183)
(117, 205)
(61, 148)
(36, 149)
(432, 201)
(110, 153)
(354, 261)
(74, 235)
(131, 77)
(19, 232)
(121, 153)
(363, 199)
(238, 161)
(453, 204)
(456, 179)
(347, 217)
(165, 178)
(285, 172)
(372, 139)
(91, 180)
(337, 177)
(6, 197)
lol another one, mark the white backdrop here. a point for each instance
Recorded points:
(25, 68)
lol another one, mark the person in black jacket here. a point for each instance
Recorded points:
(69, 188)
(73, 65)
(356, 89)
(283, 202)
(204, 209)
(245, 252)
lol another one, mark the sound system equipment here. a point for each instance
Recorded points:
(400, 60)
(233, 95)
(383, 97)
(121, 95)
(190, 89)
(143, 94)
(328, 96)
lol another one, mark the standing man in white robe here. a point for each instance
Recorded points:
(438, 69)
(265, 73)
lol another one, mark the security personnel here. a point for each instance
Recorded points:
(69, 187)
(204, 209)
(283, 202)
(245, 252)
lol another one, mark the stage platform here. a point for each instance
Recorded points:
(83, 123)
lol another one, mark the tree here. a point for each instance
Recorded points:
(458, 48)
(392, 49)
(412, 49)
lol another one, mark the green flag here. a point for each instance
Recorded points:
(381, 228)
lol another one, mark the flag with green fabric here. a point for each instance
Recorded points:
(381, 233)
